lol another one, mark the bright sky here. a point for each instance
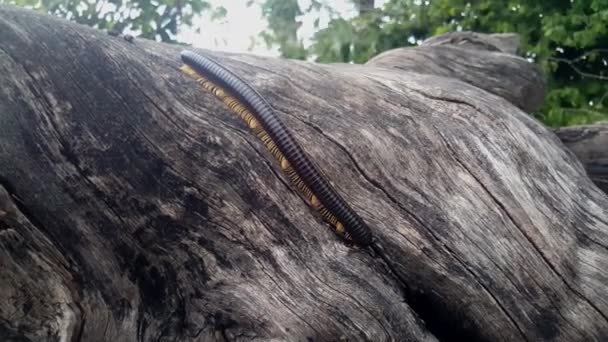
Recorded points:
(242, 24)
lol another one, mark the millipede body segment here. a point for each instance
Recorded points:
(243, 100)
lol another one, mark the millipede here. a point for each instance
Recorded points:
(261, 119)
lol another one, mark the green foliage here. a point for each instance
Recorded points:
(283, 26)
(152, 19)
(567, 39)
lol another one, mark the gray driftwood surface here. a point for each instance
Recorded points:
(135, 207)
(590, 144)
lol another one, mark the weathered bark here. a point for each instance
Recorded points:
(484, 61)
(503, 42)
(590, 145)
(136, 207)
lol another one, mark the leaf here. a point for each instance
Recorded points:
(219, 13)
(147, 18)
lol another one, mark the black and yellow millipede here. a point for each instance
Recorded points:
(251, 107)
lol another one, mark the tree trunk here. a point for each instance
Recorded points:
(484, 61)
(590, 145)
(135, 206)
(364, 6)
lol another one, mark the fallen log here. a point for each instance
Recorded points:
(135, 206)
(486, 61)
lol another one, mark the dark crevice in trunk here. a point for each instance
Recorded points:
(441, 322)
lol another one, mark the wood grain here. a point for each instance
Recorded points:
(134, 206)
(590, 145)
